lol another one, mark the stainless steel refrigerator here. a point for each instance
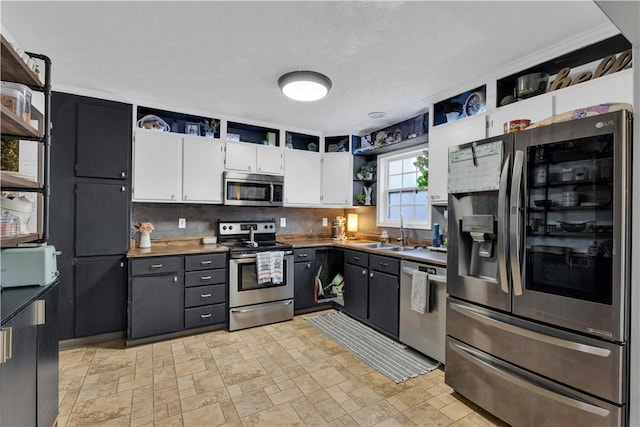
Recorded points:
(538, 274)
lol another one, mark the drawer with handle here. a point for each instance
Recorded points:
(204, 316)
(161, 265)
(205, 262)
(384, 264)
(356, 258)
(305, 254)
(205, 277)
(204, 295)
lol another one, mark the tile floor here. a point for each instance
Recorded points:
(286, 374)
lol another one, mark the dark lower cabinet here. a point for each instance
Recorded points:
(157, 305)
(304, 287)
(101, 295)
(29, 378)
(48, 361)
(356, 290)
(384, 294)
(19, 374)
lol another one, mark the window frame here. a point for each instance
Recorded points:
(382, 190)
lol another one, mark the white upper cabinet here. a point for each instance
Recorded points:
(241, 156)
(534, 109)
(440, 139)
(254, 158)
(269, 160)
(337, 179)
(617, 87)
(171, 167)
(203, 164)
(302, 172)
(157, 166)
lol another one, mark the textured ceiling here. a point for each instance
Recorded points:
(225, 58)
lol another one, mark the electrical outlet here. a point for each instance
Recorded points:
(325, 222)
(283, 222)
(182, 222)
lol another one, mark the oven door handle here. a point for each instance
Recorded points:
(249, 258)
(247, 310)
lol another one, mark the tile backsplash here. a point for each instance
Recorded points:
(201, 220)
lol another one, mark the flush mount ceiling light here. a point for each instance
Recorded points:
(304, 85)
(376, 115)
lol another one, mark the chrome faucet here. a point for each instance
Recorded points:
(401, 238)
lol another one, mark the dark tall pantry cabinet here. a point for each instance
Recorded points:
(91, 185)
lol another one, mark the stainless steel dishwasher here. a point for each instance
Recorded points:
(424, 332)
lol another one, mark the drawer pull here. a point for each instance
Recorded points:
(156, 266)
(356, 258)
(303, 255)
(205, 262)
(205, 278)
(384, 264)
(205, 295)
(205, 316)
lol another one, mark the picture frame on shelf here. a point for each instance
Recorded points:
(192, 128)
(417, 128)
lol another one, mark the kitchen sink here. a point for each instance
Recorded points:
(391, 248)
(374, 245)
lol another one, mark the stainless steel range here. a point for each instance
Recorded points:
(254, 302)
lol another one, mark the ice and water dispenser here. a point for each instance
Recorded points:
(477, 242)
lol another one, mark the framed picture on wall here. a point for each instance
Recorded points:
(191, 128)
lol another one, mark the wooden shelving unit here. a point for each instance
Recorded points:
(15, 70)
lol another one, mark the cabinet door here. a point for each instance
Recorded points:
(304, 286)
(337, 179)
(18, 388)
(101, 296)
(240, 157)
(104, 139)
(384, 300)
(157, 166)
(535, 109)
(203, 164)
(102, 218)
(617, 87)
(355, 290)
(157, 305)
(48, 351)
(440, 139)
(269, 160)
(302, 173)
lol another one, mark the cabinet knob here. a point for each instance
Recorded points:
(173, 196)
(370, 274)
(249, 167)
(364, 272)
(185, 197)
(123, 175)
(309, 266)
(123, 189)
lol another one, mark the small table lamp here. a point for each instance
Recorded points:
(352, 223)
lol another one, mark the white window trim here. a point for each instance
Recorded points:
(381, 207)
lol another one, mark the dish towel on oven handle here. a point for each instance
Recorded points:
(263, 267)
(419, 291)
(277, 267)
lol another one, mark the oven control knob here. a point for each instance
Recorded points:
(271, 226)
(231, 227)
(224, 227)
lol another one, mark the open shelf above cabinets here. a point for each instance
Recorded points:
(302, 141)
(243, 132)
(171, 121)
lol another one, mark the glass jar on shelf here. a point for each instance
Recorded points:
(9, 224)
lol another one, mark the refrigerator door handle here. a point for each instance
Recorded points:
(504, 229)
(514, 206)
(480, 316)
(476, 358)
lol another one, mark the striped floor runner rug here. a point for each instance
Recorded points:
(392, 359)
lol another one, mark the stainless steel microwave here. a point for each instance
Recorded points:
(249, 189)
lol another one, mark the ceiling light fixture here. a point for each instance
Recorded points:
(376, 115)
(304, 85)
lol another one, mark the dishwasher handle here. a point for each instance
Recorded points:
(432, 277)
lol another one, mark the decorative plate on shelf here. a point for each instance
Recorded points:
(476, 103)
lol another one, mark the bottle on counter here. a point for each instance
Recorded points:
(384, 237)
(436, 235)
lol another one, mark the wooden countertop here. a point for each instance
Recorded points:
(191, 245)
(177, 246)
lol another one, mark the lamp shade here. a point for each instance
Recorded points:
(304, 85)
(352, 222)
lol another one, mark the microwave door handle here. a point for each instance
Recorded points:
(271, 192)
(514, 239)
(503, 224)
